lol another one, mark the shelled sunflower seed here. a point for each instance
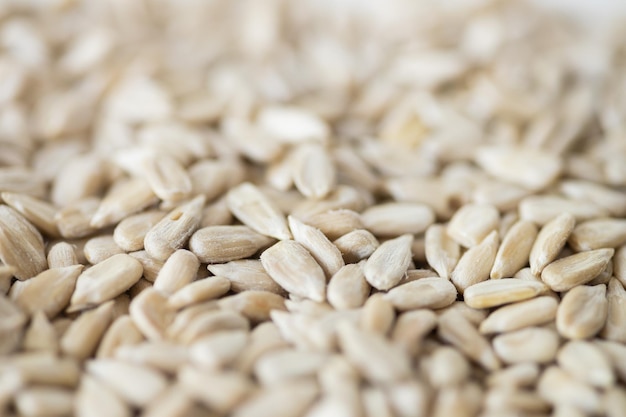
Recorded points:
(310, 209)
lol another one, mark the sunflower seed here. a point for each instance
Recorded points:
(323, 251)
(395, 219)
(442, 252)
(314, 173)
(598, 233)
(472, 223)
(476, 263)
(519, 315)
(550, 241)
(130, 233)
(357, 245)
(515, 249)
(587, 363)
(386, 266)
(578, 269)
(19, 240)
(81, 339)
(582, 312)
(423, 293)
(348, 287)
(493, 293)
(531, 344)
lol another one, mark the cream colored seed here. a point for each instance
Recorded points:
(44, 368)
(160, 355)
(19, 240)
(151, 266)
(423, 293)
(82, 177)
(246, 274)
(476, 263)
(377, 315)
(254, 305)
(519, 315)
(179, 270)
(121, 332)
(582, 312)
(130, 233)
(294, 269)
(559, 388)
(220, 391)
(493, 293)
(256, 211)
(612, 200)
(325, 253)
(442, 252)
(167, 177)
(348, 287)
(61, 254)
(199, 291)
(43, 401)
(73, 221)
(105, 281)
(386, 266)
(336, 223)
(40, 213)
(174, 402)
(578, 269)
(281, 365)
(82, 337)
(614, 328)
(151, 313)
(216, 244)
(173, 231)
(100, 248)
(619, 264)
(532, 344)
(219, 350)
(95, 399)
(550, 241)
(514, 251)
(471, 224)
(314, 173)
(587, 363)
(292, 124)
(216, 214)
(543, 209)
(395, 219)
(445, 367)
(598, 233)
(40, 335)
(122, 200)
(209, 322)
(50, 291)
(356, 245)
(410, 329)
(213, 177)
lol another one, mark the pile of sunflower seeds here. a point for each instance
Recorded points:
(310, 208)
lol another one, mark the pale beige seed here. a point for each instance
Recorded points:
(441, 251)
(105, 281)
(216, 214)
(619, 264)
(263, 338)
(560, 388)
(446, 367)
(616, 352)
(532, 344)
(587, 363)
(130, 233)
(598, 233)
(50, 291)
(187, 315)
(375, 403)
(313, 170)
(292, 124)
(335, 223)
(44, 401)
(410, 329)
(6, 278)
(167, 177)
(356, 245)
(395, 219)
(151, 313)
(455, 329)
(474, 316)
(22, 180)
(378, 360)
(61, 255)
(578, 269)
(603, 277)
(174, 402)
(151, 267)
(122, 200)
(386, 266)
(173, 231)
(213, 177)
(550, 241)
(542, 209)
(217, 244)
(220, 391)
(582, 312)
(348, 288)
(514, 251)
(196, 292)
(81, 338)
(246, 274)
(282, 365)
(323, 251)
(472, 223)
(515, 376)
(476, 263)
(20, 241)
(136, 384)
(40, 335)
(494, 293)
(73, 220)
(614, 328)
(161, 355)
(423, 293)
(269, 402)
(409, 398)
(254, 305)
(531, 168)
(377, 315)
(95, 399)
(463, 401)
(509, 401)
(218, 350)
(207, 323)
(98, 249)
(519, 315)
(294, 269)
(122, 331)
(38, 212)
(614, 401)
(45, 368)
(179, 270)
(608, 198)
(343, 197)
(502, 195)
(82, 176)
(256, 211)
